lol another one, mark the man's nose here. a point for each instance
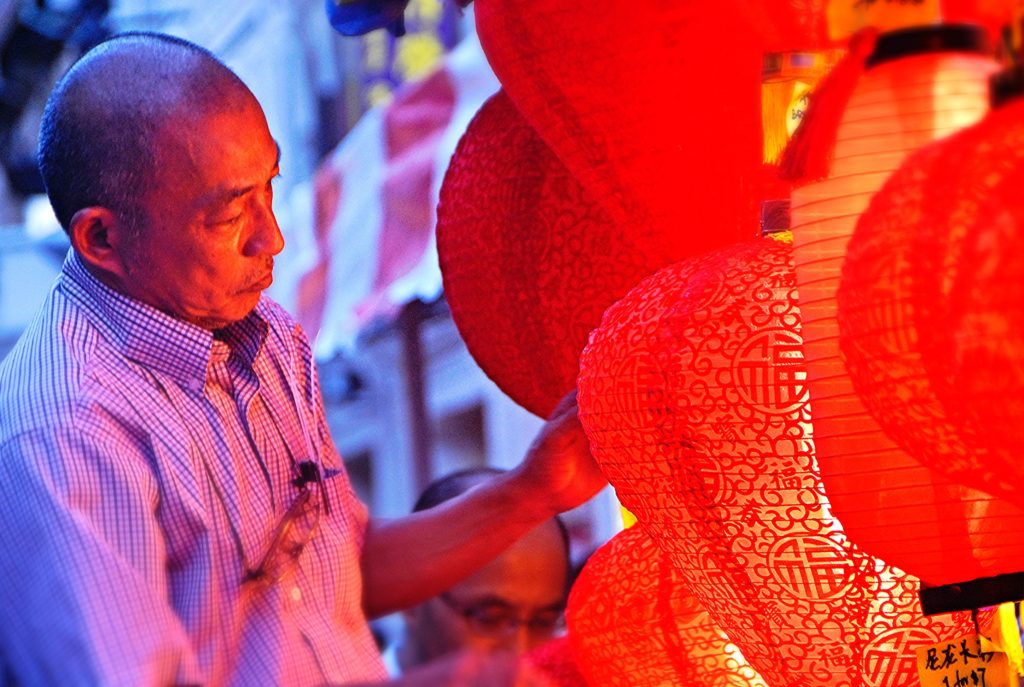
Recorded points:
(266, 237)
(521, 640)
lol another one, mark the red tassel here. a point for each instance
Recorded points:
(808, 157)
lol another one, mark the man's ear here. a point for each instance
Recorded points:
(98, 235)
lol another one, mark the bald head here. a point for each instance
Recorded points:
(99, 137)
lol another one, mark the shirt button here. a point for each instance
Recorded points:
(296, 594)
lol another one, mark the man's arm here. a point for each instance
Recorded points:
(82, 566)
(409, 560)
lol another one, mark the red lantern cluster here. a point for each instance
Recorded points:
(692, 393)
(889, 504)
(633, 623)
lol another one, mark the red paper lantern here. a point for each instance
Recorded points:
(529, 261)
(956, 312)
(653, 106)
(888, 503)
(882, 332)
(633, 623)
(986, 351)
(692, 394)
(965, 277)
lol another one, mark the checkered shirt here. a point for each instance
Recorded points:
(144, 465)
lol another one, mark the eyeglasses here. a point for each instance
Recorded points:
(495, 619)
(296, 528)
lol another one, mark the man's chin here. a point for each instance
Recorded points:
(223, 319)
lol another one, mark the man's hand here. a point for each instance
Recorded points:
(559, 472)
(411, 559)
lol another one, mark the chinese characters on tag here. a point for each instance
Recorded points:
(963, 662)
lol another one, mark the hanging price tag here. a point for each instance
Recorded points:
(963, 662)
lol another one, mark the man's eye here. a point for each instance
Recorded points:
(491, 623)
(492, 617)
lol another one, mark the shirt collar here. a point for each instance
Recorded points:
(153, 338)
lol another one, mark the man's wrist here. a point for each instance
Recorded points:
(526, 497)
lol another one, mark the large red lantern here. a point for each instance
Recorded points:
(883, 332)
(633, 623)
(960, 303)
(888, 503)
(966, 272)
(653, 106)
(986, 349)
(529, 261)
(692, 393)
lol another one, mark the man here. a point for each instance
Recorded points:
(514, 603)
(172, 508)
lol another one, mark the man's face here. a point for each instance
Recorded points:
(205, 249)
(514, 603)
